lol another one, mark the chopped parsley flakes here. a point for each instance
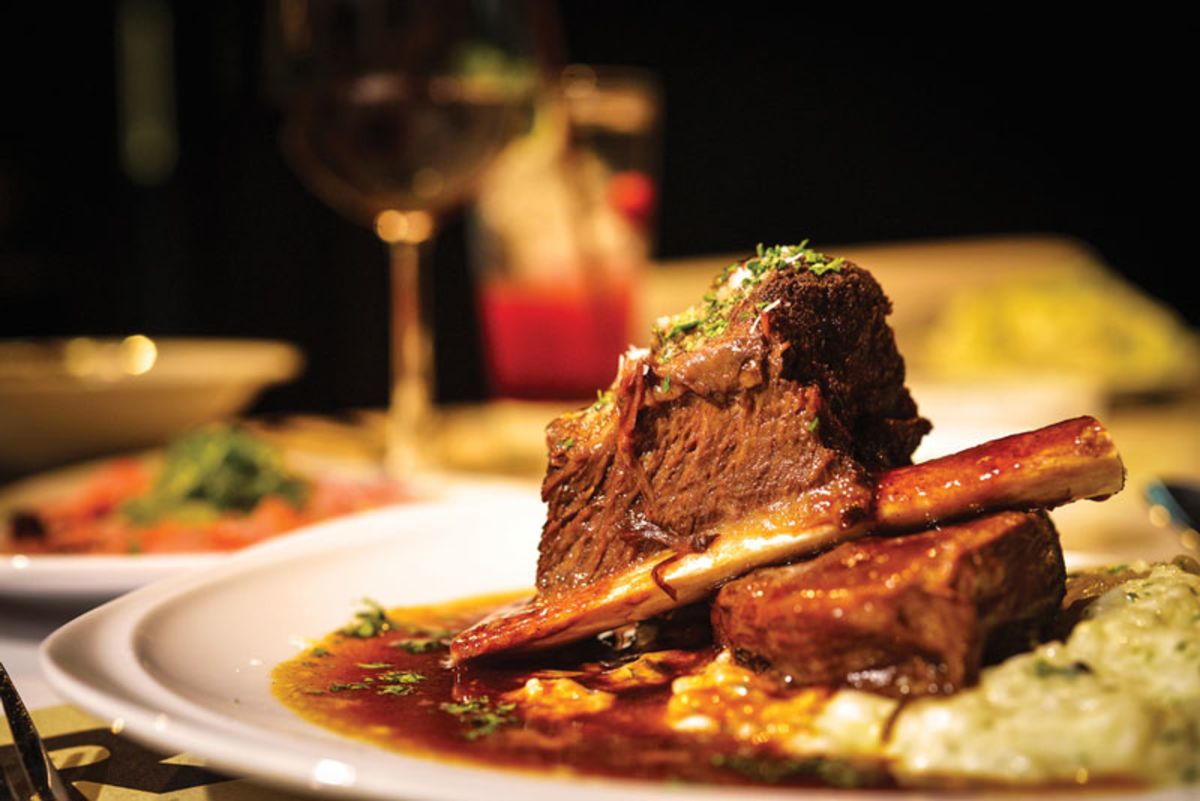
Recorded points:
(395, 689)
(421, 646)
(343, 686)
(684, 331)
(421, 639)
(1043, 669)
(369, 622)
(390, 682)
(480, 717)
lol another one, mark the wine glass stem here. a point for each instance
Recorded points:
(412, 362)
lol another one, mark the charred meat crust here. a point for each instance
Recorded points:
(803, 391)
(908, 615)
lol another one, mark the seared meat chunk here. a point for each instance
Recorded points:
(783, 390)
(907, 615)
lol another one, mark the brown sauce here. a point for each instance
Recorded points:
(346, 683)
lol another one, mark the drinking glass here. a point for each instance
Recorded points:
(563, 230)
(393, 108)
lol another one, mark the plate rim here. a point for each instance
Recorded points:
(33, 577)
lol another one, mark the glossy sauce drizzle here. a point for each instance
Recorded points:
(394, 690)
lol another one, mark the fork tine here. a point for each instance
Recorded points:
(39, 773)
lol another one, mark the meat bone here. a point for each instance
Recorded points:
(1044, 468)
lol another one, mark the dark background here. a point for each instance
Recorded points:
(778, 127)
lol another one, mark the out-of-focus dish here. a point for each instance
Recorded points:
(68, 399)
(102, 528)
(86, 580)
(1084, 324)
(217, 488)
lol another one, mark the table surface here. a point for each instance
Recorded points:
(1157, 438)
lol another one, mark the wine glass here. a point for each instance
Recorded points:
(393, 108)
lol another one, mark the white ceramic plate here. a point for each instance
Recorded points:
(186, 664)
(65, 400)
(79, 579)
(93, 578)
(84, 578)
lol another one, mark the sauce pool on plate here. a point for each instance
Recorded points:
(384, 679)
(1110, 703)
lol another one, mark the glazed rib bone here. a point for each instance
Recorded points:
(1068, 461)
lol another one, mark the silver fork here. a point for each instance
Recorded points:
(33, 773)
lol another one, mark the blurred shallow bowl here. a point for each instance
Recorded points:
(65, 399)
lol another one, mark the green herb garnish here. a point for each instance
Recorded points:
(373, 665)
(604, 397)
(710, 318)
(369, 622)
(339, 687)
(423, 639)
(418, 646)
(212, 471)
(397, 682)
(834, 266)
(684, 326)
(426, 631)
(395, 689)
(480, 717)
(1043, 669)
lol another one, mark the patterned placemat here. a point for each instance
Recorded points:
(97, 764)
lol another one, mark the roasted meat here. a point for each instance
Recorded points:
(906, 615)
(786, 394)
(765, 424)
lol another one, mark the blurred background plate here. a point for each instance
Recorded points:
(320, 450)
(84, 578)
(66, 399)
(90, 579)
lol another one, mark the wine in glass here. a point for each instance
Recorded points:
(393, 110)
